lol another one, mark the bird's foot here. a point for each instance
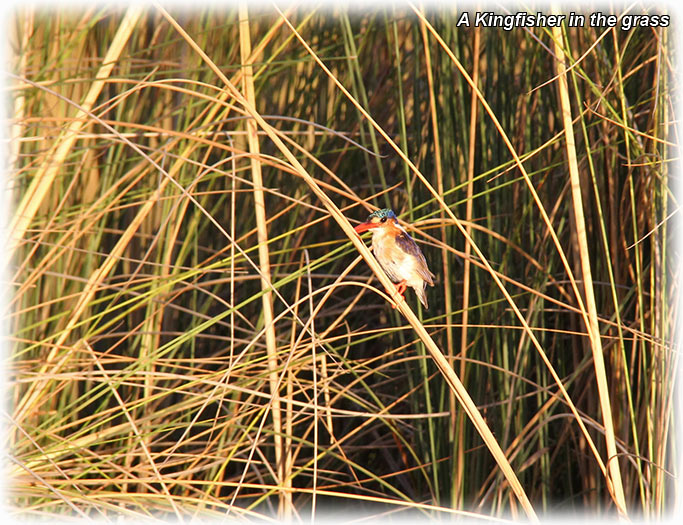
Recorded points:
(400, 289)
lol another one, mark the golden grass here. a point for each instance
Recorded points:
(193, 328)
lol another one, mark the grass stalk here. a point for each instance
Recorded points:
(447, 298)
(581, 240)
(285, 501)
(44, 179)
(458, 486)
(142, 376)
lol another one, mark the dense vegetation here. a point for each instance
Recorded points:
(195, 329)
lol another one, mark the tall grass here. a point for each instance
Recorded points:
(195, 329)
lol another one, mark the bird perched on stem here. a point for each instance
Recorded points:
(397, 253)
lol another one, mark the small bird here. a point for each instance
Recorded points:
(397, 253)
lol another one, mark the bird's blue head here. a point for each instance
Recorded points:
(381, 215)
(377, 219)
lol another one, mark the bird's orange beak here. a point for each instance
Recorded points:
(365, 226)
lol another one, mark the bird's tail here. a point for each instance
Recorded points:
(422, 296)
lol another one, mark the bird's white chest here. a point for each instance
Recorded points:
(397, 264)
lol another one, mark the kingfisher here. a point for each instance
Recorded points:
(398, 254)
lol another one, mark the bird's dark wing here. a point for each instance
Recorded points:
(408, 245)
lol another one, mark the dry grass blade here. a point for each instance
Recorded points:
(196, 331)
(285, 507)
(587, 279)
(44, 179)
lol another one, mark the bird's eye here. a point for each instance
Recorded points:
(384, 219)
